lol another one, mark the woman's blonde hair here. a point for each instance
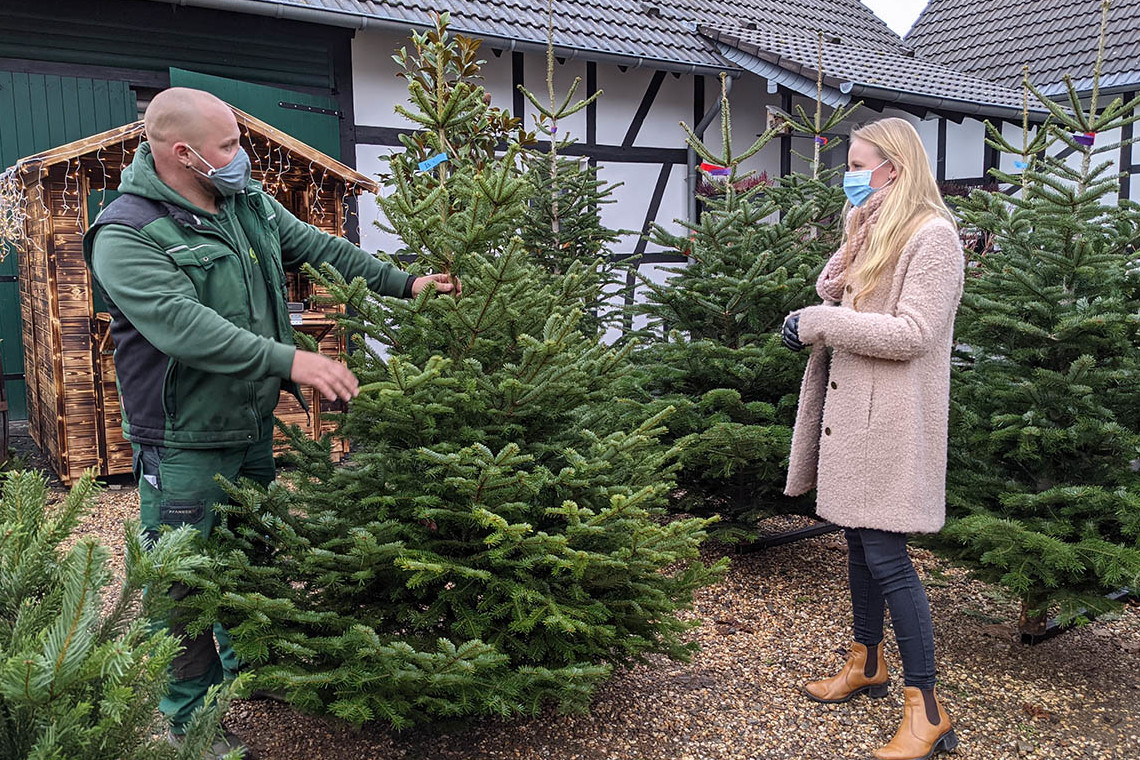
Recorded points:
(913, 199)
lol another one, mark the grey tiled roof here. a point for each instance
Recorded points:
(994, 38)
(863, 55)
(656, 30)
(862, 71)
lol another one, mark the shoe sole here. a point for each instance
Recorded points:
(874, 691)
(948, 742)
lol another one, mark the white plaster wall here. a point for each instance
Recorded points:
(534, 79)
(965, 149)
(370, 162)
(748, 101)
(928, 131)
(622, 94)
(375, 87)
(633, 196)
(673, 104)
(1136, 145)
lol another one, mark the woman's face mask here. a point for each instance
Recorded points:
(230, 179)
(857, 185)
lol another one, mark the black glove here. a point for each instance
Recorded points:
(791, 333)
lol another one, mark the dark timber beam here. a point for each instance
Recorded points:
(1124, 163)
(654, 207)
(592, 109)
(643, 109)
(342, 91)
(940, 161)
(786, 138)
(390, 137)
(516, 82)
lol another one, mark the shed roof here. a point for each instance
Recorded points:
(118, 135)
(995, 39)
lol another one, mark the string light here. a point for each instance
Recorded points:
(102, 175)
(278, 167)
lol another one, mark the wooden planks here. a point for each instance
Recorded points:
(74, 412)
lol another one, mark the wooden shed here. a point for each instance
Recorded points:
(73, 404)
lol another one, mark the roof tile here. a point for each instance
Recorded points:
(995, 39)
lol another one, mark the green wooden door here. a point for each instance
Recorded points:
(312, 119)
(39, 112)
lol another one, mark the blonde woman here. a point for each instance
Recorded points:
(870, 431)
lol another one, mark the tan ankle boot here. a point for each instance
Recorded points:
(853, 680)
(920, 737)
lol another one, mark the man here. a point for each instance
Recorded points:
(191, 262)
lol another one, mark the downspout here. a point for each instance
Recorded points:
(691, 154)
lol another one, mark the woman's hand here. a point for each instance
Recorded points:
(791, 333)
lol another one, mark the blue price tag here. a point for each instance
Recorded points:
(430, 163)
(1020, 164)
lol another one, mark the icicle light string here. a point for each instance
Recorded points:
(13, 211)
(276, 164)
(103, 176)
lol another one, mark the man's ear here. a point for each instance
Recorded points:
(181, 153)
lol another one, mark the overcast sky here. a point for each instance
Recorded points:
(899, 14)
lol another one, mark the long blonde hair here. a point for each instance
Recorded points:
(913, 198)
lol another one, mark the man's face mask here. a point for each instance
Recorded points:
(857, 185)
(230, 179)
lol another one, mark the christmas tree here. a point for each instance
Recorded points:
(77, 680)
(495, 541)
(714, 349)
(563, 225)
(1042, 495)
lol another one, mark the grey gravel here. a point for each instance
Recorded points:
(778, 618)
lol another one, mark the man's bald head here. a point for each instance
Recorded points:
(182, 114)
(190, 133)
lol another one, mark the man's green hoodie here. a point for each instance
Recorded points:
(198, 305)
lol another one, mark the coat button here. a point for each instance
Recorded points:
(833, 385)
(848, 288)
(827, 431)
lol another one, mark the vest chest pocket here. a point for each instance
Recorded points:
(217, 277)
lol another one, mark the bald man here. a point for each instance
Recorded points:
(191, 261)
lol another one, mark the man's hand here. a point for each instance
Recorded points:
(330, 377)
(444, 283)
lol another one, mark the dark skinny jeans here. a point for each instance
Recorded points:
(880, 569)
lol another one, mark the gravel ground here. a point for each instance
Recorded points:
(779, 617)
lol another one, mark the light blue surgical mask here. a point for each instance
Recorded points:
(857, 185)
(232, 178)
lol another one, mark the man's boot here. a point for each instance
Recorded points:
(864, 673)
(222, 746)
(925, 729)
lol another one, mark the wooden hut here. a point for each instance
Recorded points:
(74, 414)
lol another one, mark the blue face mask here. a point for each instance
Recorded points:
(232, 178)
(857, 185)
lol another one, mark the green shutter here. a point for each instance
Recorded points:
(37, 113)
(312, 119)
(149, 36)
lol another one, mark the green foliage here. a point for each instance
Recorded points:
(495, 542)
(77, 680)
(1044, 495)
(713, 346)
(562, 225)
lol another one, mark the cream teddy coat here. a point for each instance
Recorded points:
(871, 428)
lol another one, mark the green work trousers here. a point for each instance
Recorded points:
(177, 487)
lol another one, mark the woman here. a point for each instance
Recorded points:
(870, 431)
